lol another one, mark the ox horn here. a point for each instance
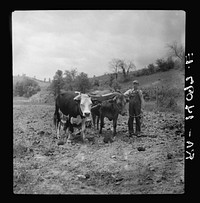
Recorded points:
(78, 97)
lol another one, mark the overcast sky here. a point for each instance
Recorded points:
(45, 41)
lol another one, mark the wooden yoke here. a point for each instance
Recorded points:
(103, 97)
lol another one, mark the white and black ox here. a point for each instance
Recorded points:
(72, 110)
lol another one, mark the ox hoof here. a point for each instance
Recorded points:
(107, 140)
(83, 140)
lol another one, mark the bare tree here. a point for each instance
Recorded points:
(177, 51)
(126, 66)
(129, 65)
(114, 66)
(121, 64)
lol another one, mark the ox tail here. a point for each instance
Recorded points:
(56, 116)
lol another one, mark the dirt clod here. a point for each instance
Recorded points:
(169, 155)
(41, 132)
(141, 148)
(60, 142)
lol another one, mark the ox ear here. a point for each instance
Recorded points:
(127, 100)
(113, 100)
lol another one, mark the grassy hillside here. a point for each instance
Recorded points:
(173, 78)
(165, 90)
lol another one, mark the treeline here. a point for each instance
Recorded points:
(126, 69)
(70, 80)
(160, 65)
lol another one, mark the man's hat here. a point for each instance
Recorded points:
(135, 82)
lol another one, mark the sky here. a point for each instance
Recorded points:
(46, 41)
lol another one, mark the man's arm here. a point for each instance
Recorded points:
(142, 99)
(127, 93)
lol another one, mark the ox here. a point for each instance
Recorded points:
(77, 109)
(110, 109)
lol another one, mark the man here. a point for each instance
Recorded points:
(136, 103)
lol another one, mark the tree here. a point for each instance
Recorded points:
(164, 65)
(177, 51)
(82, 82)
(69, 79)
(74, 73)
(151, 68)
(114, 66)
(96, 82)
(57, 83)
(124, 65)
(18, 89)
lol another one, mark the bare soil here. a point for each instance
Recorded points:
(150, 164)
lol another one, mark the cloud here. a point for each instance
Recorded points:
(45, 41)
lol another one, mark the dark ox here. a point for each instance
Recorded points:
(110, 109)
(76, 110)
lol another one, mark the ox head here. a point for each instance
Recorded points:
(120, 101)
(85, 103)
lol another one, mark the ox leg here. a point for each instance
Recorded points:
(70, 131)
(65, 129)
(130, 125)
(114, 125)
(58, 130)
(83, 130)
(93, 119)
(69, 139)
(67, 132)
(97, 122)
(101, 123)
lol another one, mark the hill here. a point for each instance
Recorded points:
(163, 91)
(173, 78)
(42, 84)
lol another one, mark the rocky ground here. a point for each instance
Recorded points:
(150, 164)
